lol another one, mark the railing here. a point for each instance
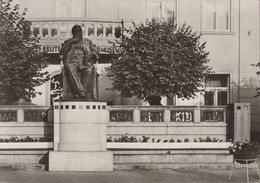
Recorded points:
(53, 29)
(167, 114)
(22, 114)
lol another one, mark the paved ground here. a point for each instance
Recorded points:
(155, 176)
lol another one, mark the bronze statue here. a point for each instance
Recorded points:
(78, 56)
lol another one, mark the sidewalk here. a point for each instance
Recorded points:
(155, 176)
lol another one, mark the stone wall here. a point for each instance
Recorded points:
(167, 122)
(159, 122)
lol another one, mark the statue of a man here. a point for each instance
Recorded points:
(78, 56)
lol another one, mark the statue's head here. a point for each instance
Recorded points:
(76, 31)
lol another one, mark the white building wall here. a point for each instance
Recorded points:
(230, 52)
(249, 54)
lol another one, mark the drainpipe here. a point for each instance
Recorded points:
(239, 51)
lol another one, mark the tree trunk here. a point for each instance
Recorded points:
(154, 100)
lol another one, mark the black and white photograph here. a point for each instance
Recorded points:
(129, 91)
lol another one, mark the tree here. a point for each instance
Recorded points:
(21, 59)
(160, 59)
(258, 73)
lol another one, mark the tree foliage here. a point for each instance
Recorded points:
(160, 59)
(21, 59)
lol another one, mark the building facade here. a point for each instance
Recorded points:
(230, 28)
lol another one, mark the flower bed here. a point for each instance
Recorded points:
(26, 143)
(27, 139)
(126, 138)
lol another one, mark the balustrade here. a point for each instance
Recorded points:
(124, 114)
(175, 114)
(61, 29)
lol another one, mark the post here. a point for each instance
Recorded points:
(20, 115)
(167, 116)
(197, 115)
(136, 116)
(242, 122)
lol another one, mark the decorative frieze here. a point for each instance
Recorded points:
(212, 115)
(167, 114)
(8, 116)
(151, 116)
(121, 116)
(35, 115)
(182, 116)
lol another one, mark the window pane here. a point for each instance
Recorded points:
(168, 10)
(223, 16)
(222, 97)
(210, 9)
(217, 80)
(156, 11)
(209, 98)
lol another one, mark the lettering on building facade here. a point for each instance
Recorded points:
(101, 49)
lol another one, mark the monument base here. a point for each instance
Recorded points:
(80, 161)
(80, 137)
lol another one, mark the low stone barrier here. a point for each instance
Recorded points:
(144, 156)
(126, 156)
(24, 155)
(166, 122)
(28, 120)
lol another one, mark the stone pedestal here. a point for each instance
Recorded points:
(80, 137)
(242, 122)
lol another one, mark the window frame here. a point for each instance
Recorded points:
(162, 18)
(218, 89)
(216, 21)
(58, 9)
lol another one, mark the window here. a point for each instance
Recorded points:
(70, 8)
(217, 90)
(163, 9)
(216, 15)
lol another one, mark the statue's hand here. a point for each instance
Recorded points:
(94, 56)
(74, 40)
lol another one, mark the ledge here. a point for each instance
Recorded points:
(217, 33)
(26, 145)
(174, 145)
(122, 145)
